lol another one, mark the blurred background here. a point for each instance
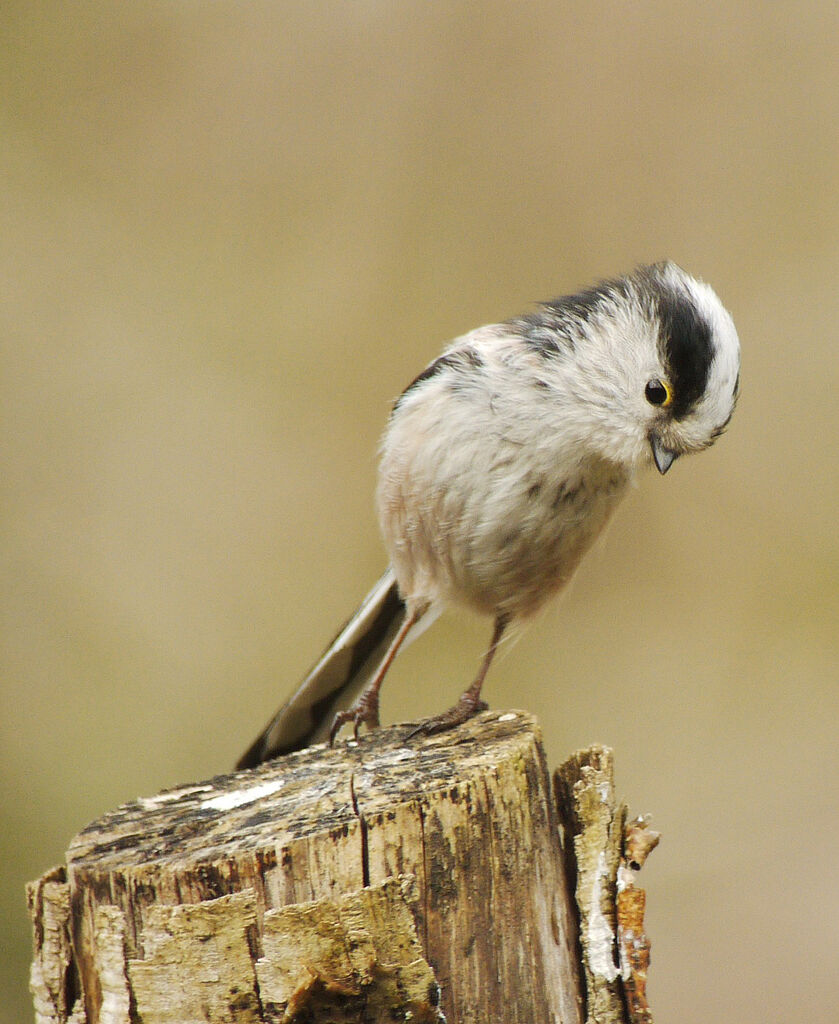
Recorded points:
(231, 234)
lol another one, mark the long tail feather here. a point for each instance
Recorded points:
(342, 670)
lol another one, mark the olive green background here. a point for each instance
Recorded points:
(230, 234)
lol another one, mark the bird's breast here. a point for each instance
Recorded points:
(494, 528)
(518, 552)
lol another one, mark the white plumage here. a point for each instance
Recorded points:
(505, 458)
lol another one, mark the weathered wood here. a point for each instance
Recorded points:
(595, 821)
(347, 884)
(604, 856)
(633, 945)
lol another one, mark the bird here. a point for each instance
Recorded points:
(500, 465)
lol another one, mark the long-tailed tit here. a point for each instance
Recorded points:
(502, 462)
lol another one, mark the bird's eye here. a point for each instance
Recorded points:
(657, 392)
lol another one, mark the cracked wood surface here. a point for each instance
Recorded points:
(605, 855)
(189, 905)
(594, 821)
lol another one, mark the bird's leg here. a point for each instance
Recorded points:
(470, 702)
(365, 708)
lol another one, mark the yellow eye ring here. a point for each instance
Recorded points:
(658, 392)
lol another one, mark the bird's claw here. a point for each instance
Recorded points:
(364, 709)
(467, 707)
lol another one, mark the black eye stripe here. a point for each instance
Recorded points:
(687, 350)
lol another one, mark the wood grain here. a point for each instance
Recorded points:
(389, 879)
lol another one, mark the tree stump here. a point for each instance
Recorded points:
(390, 879)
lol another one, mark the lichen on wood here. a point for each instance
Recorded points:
(362, 949)
(607, 852)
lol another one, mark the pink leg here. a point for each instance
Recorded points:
(470, 702)
(365, 708)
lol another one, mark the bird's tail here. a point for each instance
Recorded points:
(343, 668)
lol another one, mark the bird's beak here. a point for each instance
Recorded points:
(664, 457)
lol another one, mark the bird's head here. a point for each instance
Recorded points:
(656, 364)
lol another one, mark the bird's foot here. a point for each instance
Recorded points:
(364, 709)
(467, 707)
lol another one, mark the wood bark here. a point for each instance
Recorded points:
(390, 879)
